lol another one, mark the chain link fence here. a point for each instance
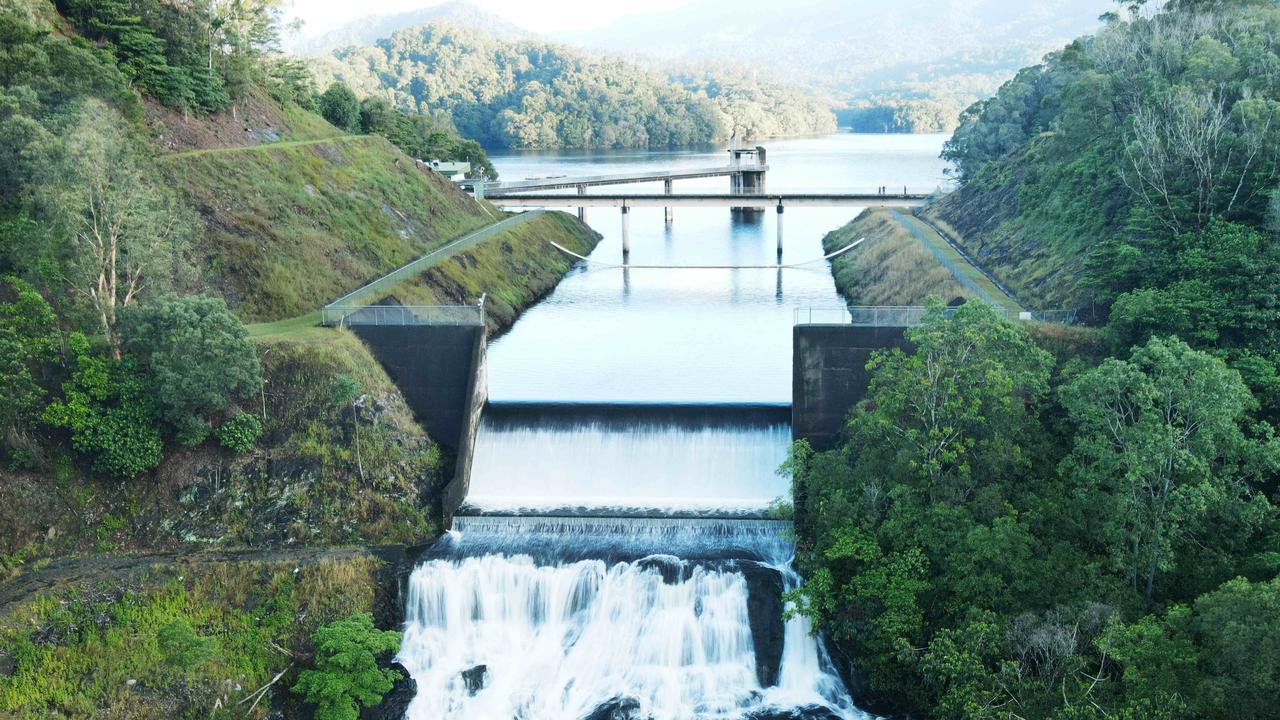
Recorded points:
(347, 315)
(907, 315)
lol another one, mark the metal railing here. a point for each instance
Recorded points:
(347, 315)
(907, 315)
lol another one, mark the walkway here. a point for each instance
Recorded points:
(710, 200)
(966, 272)
(563, 183)
(264, 146)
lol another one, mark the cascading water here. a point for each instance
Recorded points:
(613, 562)
(657, 636)
(654, 459)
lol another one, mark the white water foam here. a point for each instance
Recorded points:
(558, 641)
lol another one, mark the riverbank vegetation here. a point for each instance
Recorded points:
(999, 533)
(163, 639)
(1002, 532)
(529, 94)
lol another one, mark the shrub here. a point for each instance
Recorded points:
(346, 674)
(339, 106)
(197, 357)
(181, 648)
(240, 432)
(106, 406)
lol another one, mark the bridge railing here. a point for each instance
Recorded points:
(907, 315)
(348, 315)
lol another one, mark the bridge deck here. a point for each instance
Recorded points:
(726, 200)
(561, 183)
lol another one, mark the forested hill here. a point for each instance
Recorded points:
(531, 94)
(1003, 532)
(1133, 174)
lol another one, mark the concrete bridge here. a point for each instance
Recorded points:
(744, 202)
(489, 189)
(761, 201)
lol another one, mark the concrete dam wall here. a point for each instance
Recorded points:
(829, 375)
(440, 370)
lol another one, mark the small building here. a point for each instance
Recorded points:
(456, 171)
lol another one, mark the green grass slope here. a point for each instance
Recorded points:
(292, 226)
(892, 266)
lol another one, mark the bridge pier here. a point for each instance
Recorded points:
(666, 211)
(582, 209)
(626, 233)
(779, 233)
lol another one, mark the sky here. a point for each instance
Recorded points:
(540, 16)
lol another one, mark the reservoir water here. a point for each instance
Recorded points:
(610, 562)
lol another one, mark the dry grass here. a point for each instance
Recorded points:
(891, 268)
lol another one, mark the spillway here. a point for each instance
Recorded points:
(634, 459)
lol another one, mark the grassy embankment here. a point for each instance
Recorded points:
(896, 265)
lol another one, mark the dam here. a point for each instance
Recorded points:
(620, 554)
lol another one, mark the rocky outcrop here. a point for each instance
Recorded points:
(764, 613)
(395, 703)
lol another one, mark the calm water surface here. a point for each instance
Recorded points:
(693, 335)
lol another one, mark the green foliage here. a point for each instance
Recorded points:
(421, 137)
(1159, 436)
(346, 676)
(178, 632)
(117, 224)
(339, 106)
(974, 546)
(533, 94)
(107, 407)
(29, 340)
(181, 648)
(240, 432)
(197, 358)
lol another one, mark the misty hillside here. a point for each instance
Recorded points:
(372, 28)
(839, 44)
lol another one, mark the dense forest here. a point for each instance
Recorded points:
(1019, 523)
(531, 94)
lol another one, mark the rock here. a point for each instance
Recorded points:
(672, 568)
(764, 614)
(619, 708)
(395, 703)
(807, 712)
(475, 678)
(8, 664)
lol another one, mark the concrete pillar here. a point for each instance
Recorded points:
(779, 233)
(582, 210)
(666, 212)
(626, 232)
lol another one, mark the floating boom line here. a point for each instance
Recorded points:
(778, 266)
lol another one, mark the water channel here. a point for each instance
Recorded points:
(612, 562)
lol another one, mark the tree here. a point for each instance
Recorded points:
(346, 391)
(1159, 436)
(340, 107)
(197, 357)
(29, 339)
(106, 406)
(346, 676)
(952, 412)
(181, 648)
(125, 232)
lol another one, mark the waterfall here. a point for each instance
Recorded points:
(650, 459)
(501, 637)
(495, 635)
